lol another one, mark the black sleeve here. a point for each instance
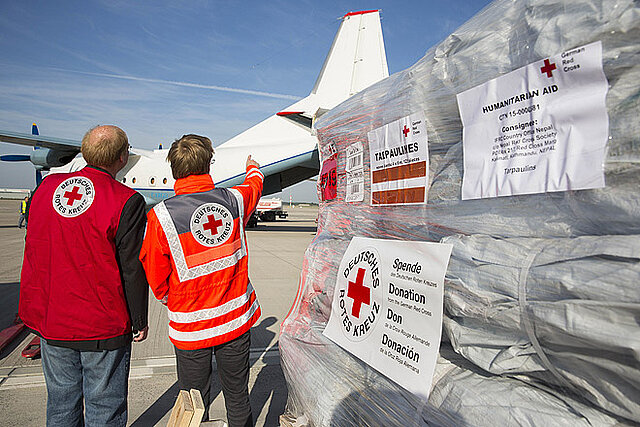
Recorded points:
(33, 193)
(128, 243)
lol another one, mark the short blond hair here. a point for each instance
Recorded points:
(103, 145)
(190, 155)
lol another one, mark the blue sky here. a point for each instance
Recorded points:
(160, 69)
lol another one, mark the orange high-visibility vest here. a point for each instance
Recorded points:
(195, 257)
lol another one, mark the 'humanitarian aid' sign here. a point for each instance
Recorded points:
(399, 162)
(538, 129)
(387, 307)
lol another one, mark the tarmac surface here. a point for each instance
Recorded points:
(276, 250)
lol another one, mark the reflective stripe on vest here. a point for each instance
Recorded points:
(211, 313)
(216, 330)
(182, 269)
(241, 210)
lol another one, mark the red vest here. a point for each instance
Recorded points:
(70, 288)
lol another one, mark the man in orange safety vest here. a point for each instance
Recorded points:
(196, 260)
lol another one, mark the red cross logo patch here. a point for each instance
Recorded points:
(73, 196)
(211, 224)
(548, 68)
(359, 293)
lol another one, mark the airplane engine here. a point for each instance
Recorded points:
(48, 158)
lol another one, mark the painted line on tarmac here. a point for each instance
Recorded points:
(32, 376)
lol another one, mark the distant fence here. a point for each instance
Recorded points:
(14, 193)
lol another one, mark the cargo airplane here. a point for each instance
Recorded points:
(284, 144)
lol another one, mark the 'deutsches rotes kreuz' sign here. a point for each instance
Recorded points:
(211, 224)
(73, 196)
(387, 307)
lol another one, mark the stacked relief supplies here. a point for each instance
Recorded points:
(542, 292)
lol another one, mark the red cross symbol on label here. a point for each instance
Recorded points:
(359, 293)
(405, 131)
(212, 225)
(548, 68)
(73, 195)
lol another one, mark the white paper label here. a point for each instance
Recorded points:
(399, 162)
(355, 176)
(538, 129)
(355, 186)
(354, 157)
(387, 307)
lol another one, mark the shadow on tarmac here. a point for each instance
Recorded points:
(9, 305)
(160, 407)
(263, 388)
(274, 228)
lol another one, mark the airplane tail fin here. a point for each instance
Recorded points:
(356, 60)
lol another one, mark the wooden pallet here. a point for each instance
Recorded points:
(188, 409)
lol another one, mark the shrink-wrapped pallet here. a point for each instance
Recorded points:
(330, 387)
(561, 311)
(559, 325)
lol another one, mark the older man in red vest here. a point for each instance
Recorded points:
(83, 289)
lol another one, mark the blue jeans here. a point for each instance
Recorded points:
(101, 377)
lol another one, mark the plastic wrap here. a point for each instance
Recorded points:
(332, 388)
(503, 37)
(568, 329)
(562, 311)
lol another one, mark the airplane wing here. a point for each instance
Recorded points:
(285, 144)
(48, 151)
(40, 141)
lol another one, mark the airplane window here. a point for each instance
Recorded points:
(152, 181)
(133, 180)
(124, 179)
(164, 181)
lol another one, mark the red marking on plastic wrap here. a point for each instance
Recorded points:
(548, 68)
(405, 131)
(328, 179)
(73, 195)
(359, 293)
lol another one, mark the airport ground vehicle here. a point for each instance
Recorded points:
(267, 210)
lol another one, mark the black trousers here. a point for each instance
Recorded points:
(232, 360)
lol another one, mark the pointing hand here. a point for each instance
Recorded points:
(251, 162)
